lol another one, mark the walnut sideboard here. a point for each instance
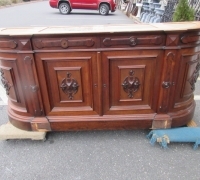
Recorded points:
(137, 76)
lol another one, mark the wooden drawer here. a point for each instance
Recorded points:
(15, 44)
(8, 44)
(132, 40)
(64, 42)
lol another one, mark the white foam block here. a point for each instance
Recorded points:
(8, 131)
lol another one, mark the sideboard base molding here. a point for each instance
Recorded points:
(106, 122)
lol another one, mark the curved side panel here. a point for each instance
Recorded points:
(182, 117)
(19, 121)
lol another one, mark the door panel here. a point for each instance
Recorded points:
(70, 78)
(132, 84)
(131, 88)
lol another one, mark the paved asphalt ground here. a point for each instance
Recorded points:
(41, 14)
(95, 155)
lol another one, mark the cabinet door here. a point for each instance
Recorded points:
(131, 81)
(68, 82)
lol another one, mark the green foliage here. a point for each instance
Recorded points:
(183, 12)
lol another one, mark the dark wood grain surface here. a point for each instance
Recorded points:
(130, 80)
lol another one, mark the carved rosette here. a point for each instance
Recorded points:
(131, 84)
(69, 86)
(195, 75)
(5, 82)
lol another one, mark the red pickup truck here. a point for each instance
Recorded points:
(66, 6)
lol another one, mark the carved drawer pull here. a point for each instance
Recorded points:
(64, 43)
(167, 84)
(133, 41)
(8, 44)
(122, 41)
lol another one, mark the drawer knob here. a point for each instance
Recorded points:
(133, 41)
(34, 88)
(64, 43)
(167, 84)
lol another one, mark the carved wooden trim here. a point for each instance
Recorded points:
(131, 84)
(25, 44)
(194, 77)
(66, 58)
(12, 74)
(28, 60)
(32, 87)
(168, 81)
(188, 66)
(132, 41)
(172, 40)
(5, 82)
(190, 39)
(69, 86)
(170, 62)
(8, 44)
(99, 83)
(64, 43)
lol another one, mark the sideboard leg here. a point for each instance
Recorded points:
(162, 121)
(40, 124)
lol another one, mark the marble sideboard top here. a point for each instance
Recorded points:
(178, 26)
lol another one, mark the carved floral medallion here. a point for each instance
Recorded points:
(194, 77)
(69, 86)
(131, 84)
(5, 82)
